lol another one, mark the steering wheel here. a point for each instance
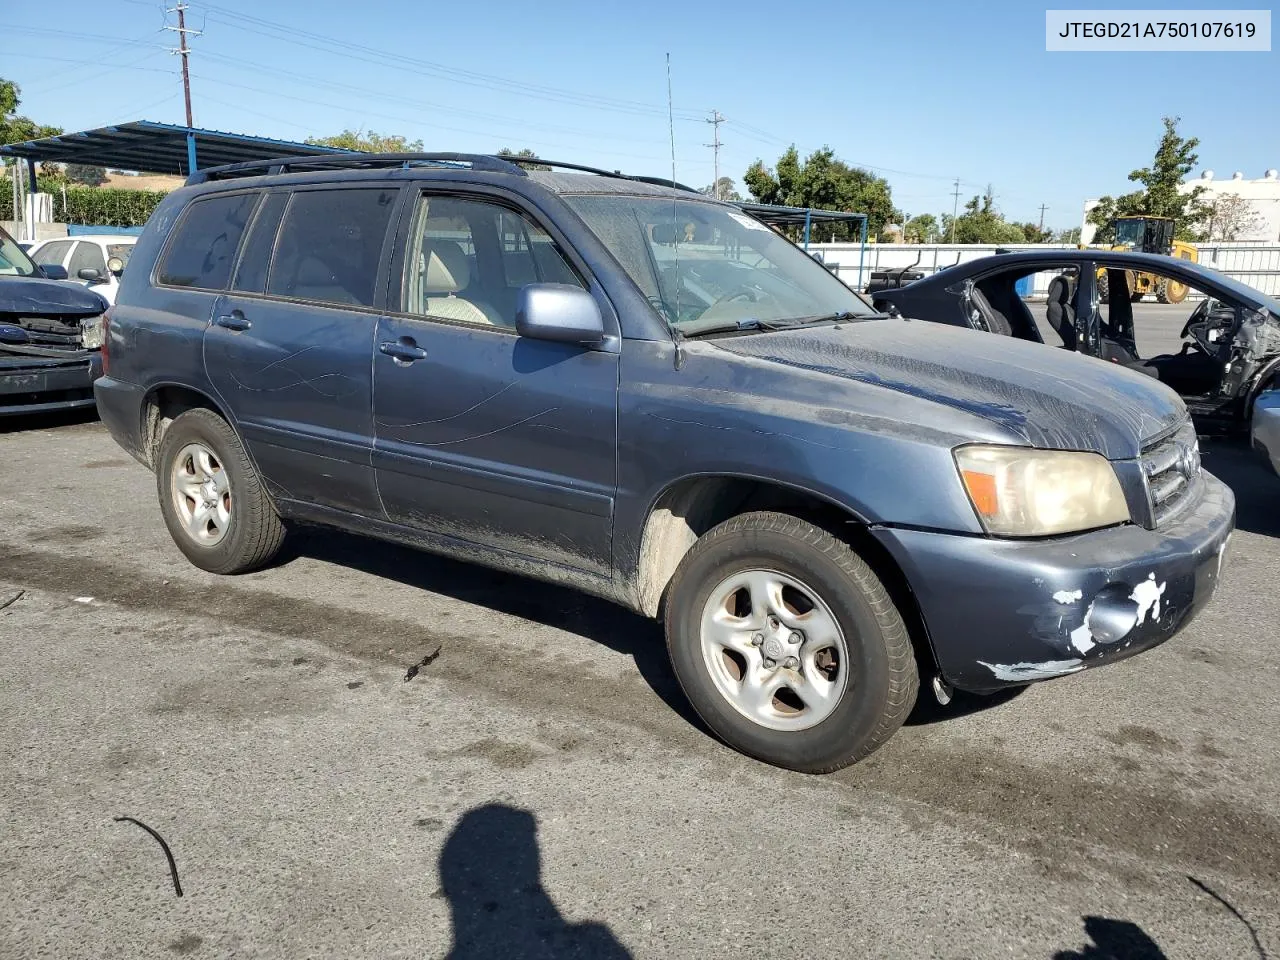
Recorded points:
(740, 293)
(1198, 314)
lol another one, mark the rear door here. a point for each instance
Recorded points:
(482, 435)
(289, 346)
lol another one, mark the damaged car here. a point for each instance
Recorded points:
(1225, 354)
(50, 337)
(622, 386)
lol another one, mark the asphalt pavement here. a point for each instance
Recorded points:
(369, 752)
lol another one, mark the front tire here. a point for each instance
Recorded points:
(211, 498)
(787, 644)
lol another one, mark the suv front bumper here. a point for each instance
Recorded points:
(1005, 612)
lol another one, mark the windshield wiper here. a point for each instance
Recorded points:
(840, 315)
(698, 329)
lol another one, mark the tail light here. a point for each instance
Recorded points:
(106, 341)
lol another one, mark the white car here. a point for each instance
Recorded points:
(97, 261)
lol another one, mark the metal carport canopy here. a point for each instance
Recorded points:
(150, 147)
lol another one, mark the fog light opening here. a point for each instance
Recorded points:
(1113, 614)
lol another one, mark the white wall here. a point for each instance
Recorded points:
(1257, 264)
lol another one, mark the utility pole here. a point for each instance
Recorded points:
(183, 51)
(715, 121)
(955, 209)
(1043, 208)
(180, 8)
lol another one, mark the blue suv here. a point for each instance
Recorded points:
(617, 384)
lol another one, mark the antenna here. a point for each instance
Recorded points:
(715, 120)
(671, 123)
(955, 209)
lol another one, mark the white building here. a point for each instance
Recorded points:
(1259, 217)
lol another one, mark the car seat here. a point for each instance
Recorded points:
(444, 275)
(1060, 312)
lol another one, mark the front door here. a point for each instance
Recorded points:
(482, 435)
(288, 348)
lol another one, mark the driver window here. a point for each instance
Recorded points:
(468, 260)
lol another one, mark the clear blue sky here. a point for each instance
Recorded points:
(923, 92)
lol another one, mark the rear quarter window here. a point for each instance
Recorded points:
(202, 250)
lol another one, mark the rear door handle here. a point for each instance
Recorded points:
(235, 320)
(404, 350)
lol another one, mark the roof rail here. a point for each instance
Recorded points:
(617, 174)
(490, 163)
(354, 161)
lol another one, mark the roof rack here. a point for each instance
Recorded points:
(490, 163)
(356, 161)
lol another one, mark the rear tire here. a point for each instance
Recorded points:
(1170, 291)
(738, 601)
(1104, 288)
(211, 498)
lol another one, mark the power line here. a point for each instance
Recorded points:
(381, 57)
(181, 29)
(715, 120)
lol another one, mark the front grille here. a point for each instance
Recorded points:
(1171, 467)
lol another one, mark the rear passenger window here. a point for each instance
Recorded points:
(204, 244)
(251, 275)
(330, 245)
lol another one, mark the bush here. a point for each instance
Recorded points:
(91, 206)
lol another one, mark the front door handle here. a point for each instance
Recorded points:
(235, 320)
(404, 350)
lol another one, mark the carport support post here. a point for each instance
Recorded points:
(28, 213)
(191, 151)
(862, 250)
(808, 213)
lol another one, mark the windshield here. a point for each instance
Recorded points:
(704, 262)
(121, 250)
(13, 262)
(1131, 233)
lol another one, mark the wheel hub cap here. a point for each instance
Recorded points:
(774, 649)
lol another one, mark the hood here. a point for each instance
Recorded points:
(36, 297)
(1048, 397)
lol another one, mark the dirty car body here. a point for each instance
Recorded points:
(50, 334)
(729, 379)
(1231, 337)
(1266, 427)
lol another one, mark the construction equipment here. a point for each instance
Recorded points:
(1143, 234)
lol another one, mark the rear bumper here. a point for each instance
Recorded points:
(1266, 427)
(120, 408)
(1004, 612)
(41, 386)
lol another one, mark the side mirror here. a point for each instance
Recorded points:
(560, 312)
(54, 271)
(116, 266)
(91, 275)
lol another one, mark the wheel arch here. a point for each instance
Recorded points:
(690, 506)
(165, 402)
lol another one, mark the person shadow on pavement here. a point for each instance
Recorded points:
(491, 874)
(1114, 940)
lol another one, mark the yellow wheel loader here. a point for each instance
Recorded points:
(1148, 235)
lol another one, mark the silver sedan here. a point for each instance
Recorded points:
(1266, 426)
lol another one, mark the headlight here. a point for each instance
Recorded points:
(1021, 492)
(91, 333)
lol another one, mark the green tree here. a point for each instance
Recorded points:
(827, 183)
(14, 128)
(1175, 157)
(1034, 233)
(1069, 235)
(722, 189)
(88, 175)
(524, 153)
(368, 142)
(921, 229)
(982, 222)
